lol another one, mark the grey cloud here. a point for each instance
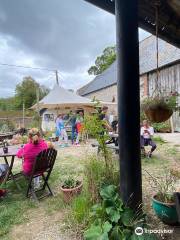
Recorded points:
(65, 32)
(64, 35)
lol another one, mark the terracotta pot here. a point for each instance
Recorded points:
(159, 114)
(69, 193)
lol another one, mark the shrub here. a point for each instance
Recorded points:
(97, 175)
(111, 219)
(6, 126)
(162, 127)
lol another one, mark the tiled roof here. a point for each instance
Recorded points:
(147, 52)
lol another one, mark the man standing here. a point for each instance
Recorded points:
(147, 133)
(72, 121)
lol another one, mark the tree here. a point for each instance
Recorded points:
(26, 92)
(104, 61)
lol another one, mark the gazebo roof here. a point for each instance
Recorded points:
(169, 17)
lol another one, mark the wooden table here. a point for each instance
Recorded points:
(114, 135)
(4, 136)
(9, 160)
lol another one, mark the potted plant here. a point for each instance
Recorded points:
(71, 188)
(160, 108)
(163, 201)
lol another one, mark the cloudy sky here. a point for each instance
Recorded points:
(63, 35)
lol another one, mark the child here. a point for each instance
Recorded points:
(62, 131)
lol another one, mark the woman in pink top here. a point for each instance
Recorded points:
(31, 150)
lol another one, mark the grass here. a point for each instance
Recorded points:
(171, 151)
(159, 140)
(15, 208)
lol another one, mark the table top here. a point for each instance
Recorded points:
(12, 150)
(115, 135)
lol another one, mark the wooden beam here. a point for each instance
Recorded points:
(127, 45)
(169, 22)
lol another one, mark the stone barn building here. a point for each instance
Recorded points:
(104, 86)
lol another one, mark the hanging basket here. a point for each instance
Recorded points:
(158, 114)
(159, 109)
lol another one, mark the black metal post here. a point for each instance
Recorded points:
(128, 101)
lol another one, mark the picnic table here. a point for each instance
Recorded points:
(9, 160)
(4, 136)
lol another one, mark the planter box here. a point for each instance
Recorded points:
(165, 211)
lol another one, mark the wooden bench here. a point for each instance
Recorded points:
(112, 147)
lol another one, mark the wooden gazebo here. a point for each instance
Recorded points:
(131, 14)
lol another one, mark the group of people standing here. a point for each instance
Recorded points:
(76, 120)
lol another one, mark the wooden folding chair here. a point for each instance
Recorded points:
(42, 166)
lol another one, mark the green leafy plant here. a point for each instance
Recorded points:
(97, 129)
(112, 220)
(70, 183)
(162, 127)
(168, 102)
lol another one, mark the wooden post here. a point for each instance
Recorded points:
(23, 115)
(128, 101)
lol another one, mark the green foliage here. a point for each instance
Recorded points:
(70, 182)
(162, 127)
(111, 219)
(24, 139)
(142, 116)
(97, 129)
(80, 208)
(104, 61)
(13, 207)
(6, 126)
(171, 151)
(166, 102)
(7, 104)
(26, 92)
(97, 175)
(36, 121)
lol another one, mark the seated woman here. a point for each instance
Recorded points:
(147, 133)
(30, 150)
(3, 172)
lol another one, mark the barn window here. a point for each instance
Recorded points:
(48, 117)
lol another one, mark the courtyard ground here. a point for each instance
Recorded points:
(21, 219)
